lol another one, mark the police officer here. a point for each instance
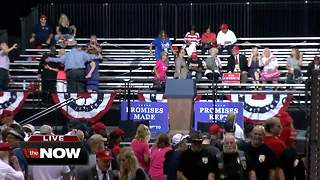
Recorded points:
(232, 163)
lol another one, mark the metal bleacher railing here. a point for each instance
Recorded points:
(124, 54)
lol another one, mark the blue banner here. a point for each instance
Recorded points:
(204, 112)
(154, 112)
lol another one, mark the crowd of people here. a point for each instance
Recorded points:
(80, 66)
(225, 152)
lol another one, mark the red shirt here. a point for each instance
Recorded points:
(276, 144)
(209, 37)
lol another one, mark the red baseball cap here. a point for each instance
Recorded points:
(215, 129)
(98, 126)
(118, 132)
(4, 146)
(194, 55)
(104, 155)
(224, 26)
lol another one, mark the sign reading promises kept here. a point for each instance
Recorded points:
(204, 112)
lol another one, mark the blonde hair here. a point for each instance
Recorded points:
(265, 50)
(94, 142)
(142, 132)
(63, 20)
(252, 53)
(214, 50)
(231, 117)
(297, 53)
(131, 163)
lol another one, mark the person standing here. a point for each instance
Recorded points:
(196, 163)
(263, 158)
(4, 64)
(74, 64)
(6, 171)
(160, 72)
(161, 43)
(181, 69)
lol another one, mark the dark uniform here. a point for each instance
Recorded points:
(233, 166)
(292, 165)
(263, 160)
(197, 165)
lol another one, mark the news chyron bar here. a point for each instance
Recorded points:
(54, 150)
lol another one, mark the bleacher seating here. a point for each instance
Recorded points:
(124, 55)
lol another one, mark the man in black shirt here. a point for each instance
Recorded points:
(262, 157)
(196, 163)
(232, 163)
(195, 66)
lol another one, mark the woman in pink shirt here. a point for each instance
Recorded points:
(157, 158)
(160, 71)
(140, 146)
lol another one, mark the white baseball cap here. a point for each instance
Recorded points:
(177, 138)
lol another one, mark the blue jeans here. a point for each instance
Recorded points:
(198, 75)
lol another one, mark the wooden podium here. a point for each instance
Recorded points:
(180, 94)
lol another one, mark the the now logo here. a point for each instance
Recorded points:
(54, 150)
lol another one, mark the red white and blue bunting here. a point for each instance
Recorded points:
(91, 107)
(12, 101)
(259, 107)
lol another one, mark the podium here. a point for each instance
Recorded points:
(180, 94)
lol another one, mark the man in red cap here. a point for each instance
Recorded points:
(237, 63)
(225, 39)
(115, 138)
(99, 171)
(42, 33)
(195, 66)
(215, 132)
(99, 128)
(6, 171)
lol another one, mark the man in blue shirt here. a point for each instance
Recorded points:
(74, 65)
(161, 43)
(42, 33)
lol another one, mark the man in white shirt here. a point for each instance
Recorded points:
(226, 39)
(6, 171)
(48, 172)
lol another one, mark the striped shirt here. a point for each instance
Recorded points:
(189, 38)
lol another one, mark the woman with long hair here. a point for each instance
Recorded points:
(140, 146)
(129, 167)
(65, 31)
(294, 63)
(181, 69)
(254, 64)
(157, 158)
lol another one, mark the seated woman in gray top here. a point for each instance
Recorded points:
(294, 63)
(181, 69)
(213, 65)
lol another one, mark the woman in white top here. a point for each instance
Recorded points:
(270, 70)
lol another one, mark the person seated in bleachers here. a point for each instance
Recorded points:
(161, 43)
(208, 40)
(237, 63)
(226, 39)
(65, 32)
(181, 69)
(160, 71)
(195, 66)
(270, 67)
(294, 63)
(315, 65)
(192, 40)
(42, 33)
(254, 64)
(213, 65)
